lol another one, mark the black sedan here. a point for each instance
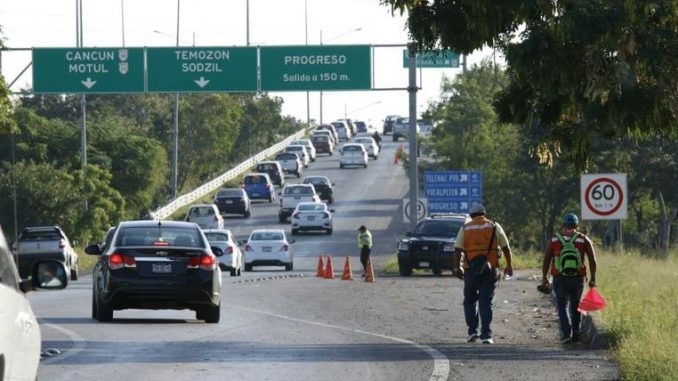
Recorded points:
(156, 265)
(233, 201)
(323, 186)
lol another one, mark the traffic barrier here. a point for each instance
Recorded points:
(348, 274)
(329, 272)
(320, 272)
(369, 272)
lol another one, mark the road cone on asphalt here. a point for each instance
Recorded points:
(320, 272)
(347, 275)
(329, 271)
(369, 272)
(396, 157)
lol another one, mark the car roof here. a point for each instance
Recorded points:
(165, 223)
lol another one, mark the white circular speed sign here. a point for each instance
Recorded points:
(603, 196)
(422, 207)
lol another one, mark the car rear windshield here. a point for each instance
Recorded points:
(315, 180)
(159, 236)
(201, 211)
(230, 193)
(311, 207)
(255, 180)
(266, 236)
(266, 167)
(442, 228)
(40, 235)
(286, 156)
(299, 190)
(352, 148)
(214, 236)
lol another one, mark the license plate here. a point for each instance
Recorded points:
(423, 264)
(229, 201)
(159, 268)
(266, 249)
(254, 194)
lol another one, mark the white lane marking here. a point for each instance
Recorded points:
(441, 364)
(79, 344)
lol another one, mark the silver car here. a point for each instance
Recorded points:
(310, 148)
(312, 216)
(370, 145)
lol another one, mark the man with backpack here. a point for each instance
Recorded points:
(564, 255)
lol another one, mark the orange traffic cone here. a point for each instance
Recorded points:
(320, 272)
(329, 272)
(396, 157)
(347, 275)
(369, 272)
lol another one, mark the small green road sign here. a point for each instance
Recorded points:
(88, 70)
(203, 69)
(321, 67)
(433, 58)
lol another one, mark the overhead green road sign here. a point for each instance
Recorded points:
(88, 70)
(433, 58)
(321, 67)
(203, 69)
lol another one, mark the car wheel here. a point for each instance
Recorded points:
(298, 174)
(330, 153)
(364, 165)
(211, 314)
(289, 266)
(248, 267)
(234, 272)
(74, 272)
(282, 219)
(247, 213)
(436, 270)
(329, 231)
(239, 272)
(104, 310)
(341, 166)
(271, 198)
(404, 269)
(295, 231)
(94, 306)
(395, 138)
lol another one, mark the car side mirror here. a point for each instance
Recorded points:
(217, 251)
(332, 210)
(93, 249)
(291, 240)
(49, 275)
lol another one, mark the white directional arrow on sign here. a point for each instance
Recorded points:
(88, 83)
(202, 82)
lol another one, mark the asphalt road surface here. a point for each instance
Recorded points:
(278, 325)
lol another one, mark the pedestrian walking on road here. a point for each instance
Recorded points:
(564, 254)
(365, 245)
(478, 241)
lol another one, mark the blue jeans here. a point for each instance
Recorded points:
(568, 292)
(478, 296)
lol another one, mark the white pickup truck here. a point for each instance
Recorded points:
(291, 195)
(44, 242)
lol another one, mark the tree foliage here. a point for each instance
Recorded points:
(577, 69)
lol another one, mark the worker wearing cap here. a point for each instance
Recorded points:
(365, 245)
(479, 240)
(569, 289)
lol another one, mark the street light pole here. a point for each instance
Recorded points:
(175, 158)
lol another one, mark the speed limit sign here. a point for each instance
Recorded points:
(604, 196)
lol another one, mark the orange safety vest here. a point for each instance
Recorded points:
(579, 244)
(477, 237)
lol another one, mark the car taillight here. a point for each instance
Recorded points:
(295, 215)
(248, 248)
(284, 248)
(117, 261)
(230, 249)
(215, 218)
(204, 262)
(62, 244)
(326, 215)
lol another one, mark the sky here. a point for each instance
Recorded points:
(153, 23)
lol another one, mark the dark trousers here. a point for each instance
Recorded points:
(478, 296)
(568, 290)
(365, 256)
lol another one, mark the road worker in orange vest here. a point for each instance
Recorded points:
(479, 241)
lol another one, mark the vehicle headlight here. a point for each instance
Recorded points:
(403, 246)
(448, 247)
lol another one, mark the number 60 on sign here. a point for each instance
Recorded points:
(604, 196)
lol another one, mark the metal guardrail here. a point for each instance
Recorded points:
(210, 186)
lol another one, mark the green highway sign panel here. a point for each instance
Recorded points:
(433, 58)
(202, 69)
(320, 67)
(88, 70)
